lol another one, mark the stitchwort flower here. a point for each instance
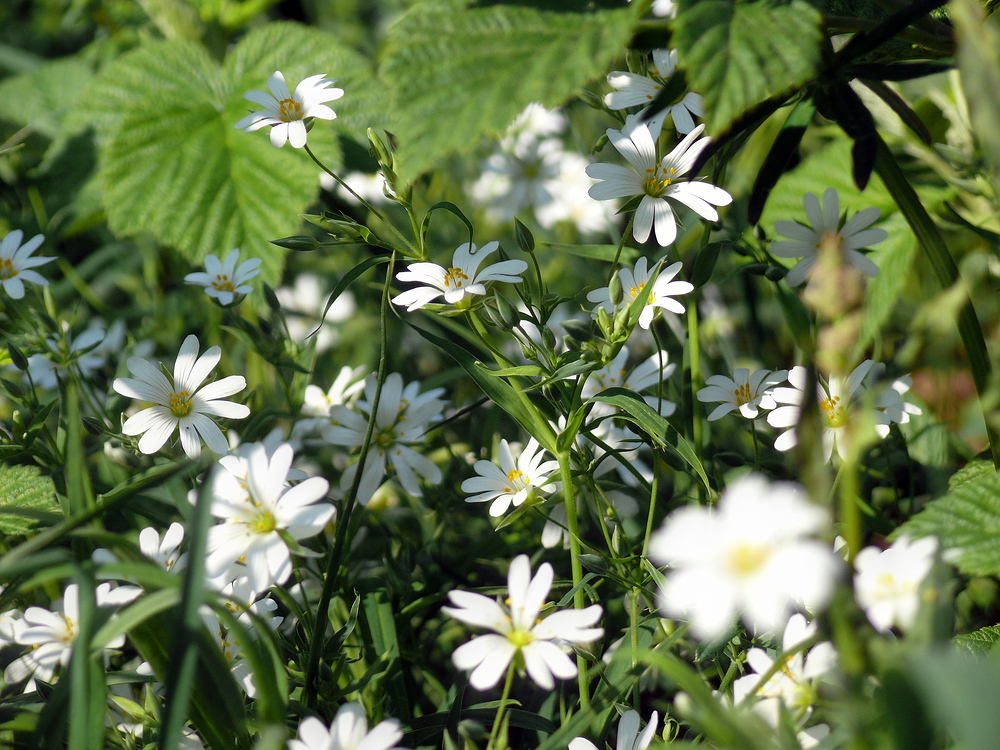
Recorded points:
(513, 482)
(181, 402)
(887, 582)
(748, 392)
(634, 281)
(226, 281)
(16, 263)
(533, 644)
(460, 281)
(629, 737)
(287, 113)
(634, 90)
(826, 232)
(656, 181)
(349, 731)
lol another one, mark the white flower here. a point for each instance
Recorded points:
(744, 391)
(513, 482)
(16, 263)
(534, 123)
(349, 731)
(306, 300)
(181, 402)
(226, 281)
(750, 554)
(518, 179)
(792, 683)
(537, 645)
(634, 90)
(458, 282)
(86, 353)
(344, 390)
(887, 582)
(165, 552)
(287, 113)
(571, 201)
(644, 375)
(402, 418)
(838, 402)
(369, 185)
(629, 737)
(633, 282)
(253, 516)
(825, 232)
(656, 181)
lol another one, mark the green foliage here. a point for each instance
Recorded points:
(967, 520)
(739, 54)
(979, 62)
(42, 97)
(173, 165)
(980, 642)
(28, 498)
(510, 56)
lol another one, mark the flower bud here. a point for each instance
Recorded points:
(299, 242)
(579, 330)
(615, 290)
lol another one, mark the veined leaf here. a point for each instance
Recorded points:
(509, 56)
(174, 166)
(982, 641)
(967, 520)
(26, 499)
(42, 97)
(736, 55)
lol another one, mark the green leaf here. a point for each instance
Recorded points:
(981, 642)
(967, 520)
(174, 166)
(509, 56)
(739, 54)
(979, 64)
(42, 97)
(978, 467)
(26, 499)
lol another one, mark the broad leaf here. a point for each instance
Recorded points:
(174, 166)
(981, 642)
(509, 56)
(42, 97)
(966, 520)
(736, 55)
(26, 500)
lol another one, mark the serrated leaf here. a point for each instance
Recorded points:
(174, 166)
(975, 469)
(509, 56)
(966, 520)
(739, 54)
(981, 642)
(26, 499)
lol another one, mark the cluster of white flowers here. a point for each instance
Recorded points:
(530, 169)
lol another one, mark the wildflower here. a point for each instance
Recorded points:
(458, 282)
(369, 185)
(838, 402)
(306, 301)
(744, 391)
(181, 402)
(402, 418)
(634, 90)
(349, 731)
(16, 263)
(887, 582)
(750, 554)
(165, 552)
(656, 181)
(86, 353)
(537, 645)
(661, 295)
(517, 179)
(226, 281)
(344, 390)
(825, 231)
(287, 113)
(650, 373)
(513, 482)
(629, 737)
(259, 515)
(793, 682)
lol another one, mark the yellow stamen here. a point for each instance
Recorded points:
(290, 110)
(742, 394)
(455, 277)
(6, 269)
(181, 404)
(513, 475)
(836, 414)
(221, 283)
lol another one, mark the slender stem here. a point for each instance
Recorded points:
(621, 246)
(694, 362)
(634, 642)
(498, 719)
(361, 200)
(654, 492)
(756, 444)
(576, 567)
(343, 523)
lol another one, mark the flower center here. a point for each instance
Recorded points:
(455, 277)
(836, 414)
(385, 438)
(742, 394)
(70, 633)
(290, 110)
(265, 523)
(520, 638)
(181, 404)
(6, 269)
(747, 558)
(221, 283)
(830, 240)
(636, 290)
(515, 475)
(657, 180)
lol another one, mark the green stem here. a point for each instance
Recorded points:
(756, 444)
(933, 244)
(694, 362)
(498, 719)
(653, 494)
(621, 246)
(576, 567)
(343, 522)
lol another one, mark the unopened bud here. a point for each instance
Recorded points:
(382, 150)
(615, 290)
(270, 297)
(579, 330)
(299, 242)
(525, 240)
(17, 357)
(604, 322)
(507, 312)
(775, 273)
